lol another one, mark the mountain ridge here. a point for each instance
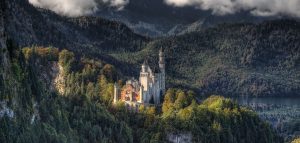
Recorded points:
(48, 28)
(157, 19)
(80, 110)
(233, 59)
(250, 58)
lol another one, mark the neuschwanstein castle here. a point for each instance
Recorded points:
(147, 90)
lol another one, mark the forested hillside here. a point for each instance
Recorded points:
(32, 111)
(28, 25)
(232, 59)
(229, 59)
(55, 96)
(57, 76)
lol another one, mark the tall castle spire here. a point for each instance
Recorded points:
(162, 70)
(151, 85)
(116, 93)
(161, 60)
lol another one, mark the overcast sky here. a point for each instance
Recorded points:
(218, 7)
(77, 7)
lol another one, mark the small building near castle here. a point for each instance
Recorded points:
(147, 90)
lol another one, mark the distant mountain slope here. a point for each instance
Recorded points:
(155, 18)
(230, 59)
(233, 59)
(28, 25)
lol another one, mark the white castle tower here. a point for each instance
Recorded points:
(150, 87)
(116, 93)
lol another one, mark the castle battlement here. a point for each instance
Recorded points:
(147, 90)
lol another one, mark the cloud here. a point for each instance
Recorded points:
(75, 8)
(117, 3)
(255, 7)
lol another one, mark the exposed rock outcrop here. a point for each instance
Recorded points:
(180, 138)
(5, 110)
(60, 79)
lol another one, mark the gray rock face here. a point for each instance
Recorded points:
(180, 138)
(6, 111)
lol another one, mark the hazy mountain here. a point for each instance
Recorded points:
(264, 56)
(232, 59)
(155, 18)
(28, 25)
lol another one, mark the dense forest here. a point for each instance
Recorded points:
(52, 95)
(229, 59)
(31, 112)
(64, 93)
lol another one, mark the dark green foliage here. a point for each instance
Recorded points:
(231, 59)
(83, 113)
(44, 116)
(216, 119)
(85, 35)
(45, 54)
(289, 128)
(66, 59)
(297, 140)
(64, 120)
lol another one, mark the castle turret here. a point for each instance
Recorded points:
(144, 76)
(141, 94)
(157, 89)
(161, 59)
(149, 89)
(144, 67)
(116, 93)
(162, 69)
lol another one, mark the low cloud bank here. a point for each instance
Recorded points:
(256, 7)
(218, 7)
(75, 8)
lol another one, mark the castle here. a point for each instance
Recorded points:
(147, 90)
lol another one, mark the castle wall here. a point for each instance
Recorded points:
(116, 93)
(150, 85)
(144, 80)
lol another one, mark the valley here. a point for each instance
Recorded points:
(282, 113)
